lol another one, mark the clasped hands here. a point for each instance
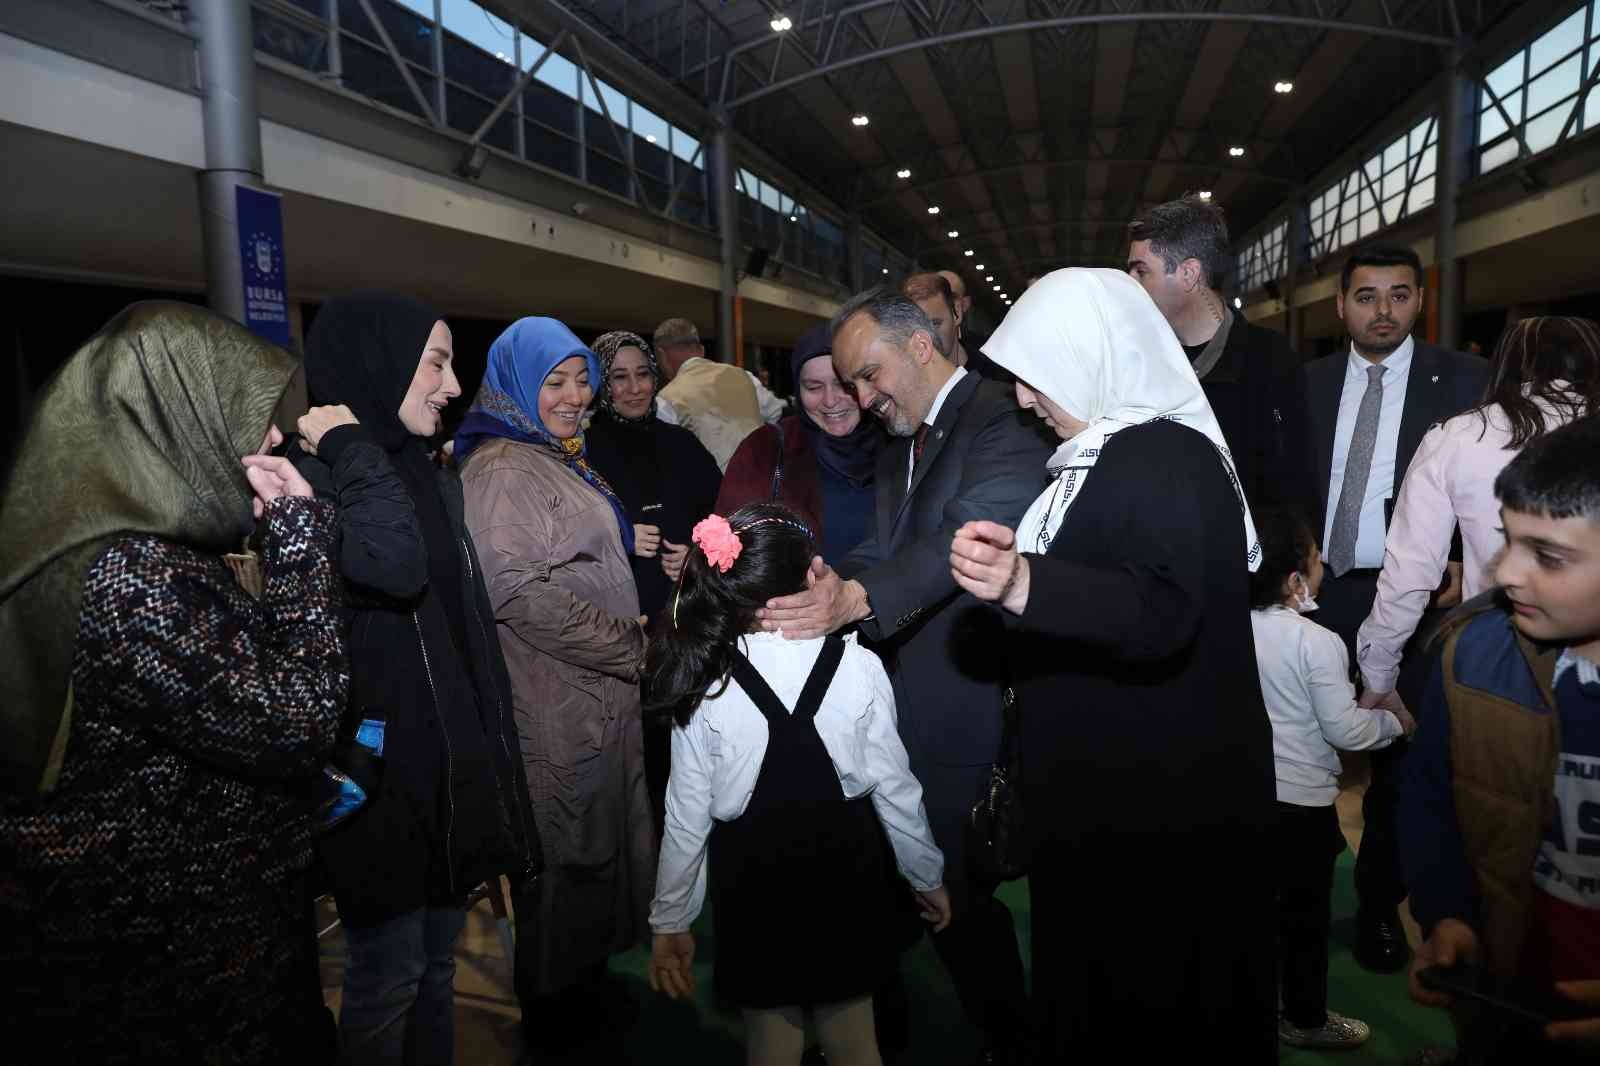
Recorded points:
(1389, 701)
(648, 543)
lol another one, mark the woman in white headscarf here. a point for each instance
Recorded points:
(1147, 768)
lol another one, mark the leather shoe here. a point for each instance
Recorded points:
(1381, 943)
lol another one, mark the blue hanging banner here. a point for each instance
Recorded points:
(266, 301)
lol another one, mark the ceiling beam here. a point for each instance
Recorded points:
(1131, 19)
(1044, 165)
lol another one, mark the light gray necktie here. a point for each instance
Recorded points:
(1357, 468)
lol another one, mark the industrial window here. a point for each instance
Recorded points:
(1535, 98)
(1263, 260)
(1396, 180)
(561, 124)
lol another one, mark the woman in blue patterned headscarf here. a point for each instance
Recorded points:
(554, 543)
(512, 400)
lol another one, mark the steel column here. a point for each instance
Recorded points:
(726, 200)
(1455, 142)
(233, 142)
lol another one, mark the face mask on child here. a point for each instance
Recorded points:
(1302, 594)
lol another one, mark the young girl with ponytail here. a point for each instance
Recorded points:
(785, 757)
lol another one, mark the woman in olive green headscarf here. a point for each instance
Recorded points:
(160, 726)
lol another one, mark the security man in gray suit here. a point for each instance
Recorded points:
(962, 451)
(1370, 406)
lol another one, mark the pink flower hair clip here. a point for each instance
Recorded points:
(718, 541)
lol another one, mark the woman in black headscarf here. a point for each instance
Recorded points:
(162, 721)
(662, 473)
(430, 701)
(819, 463)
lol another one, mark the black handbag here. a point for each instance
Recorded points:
(998, 843)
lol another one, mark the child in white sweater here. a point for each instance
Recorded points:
(1305, 682)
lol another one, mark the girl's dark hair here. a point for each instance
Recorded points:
(1286, 547)
(1532, 355)
(712, 609)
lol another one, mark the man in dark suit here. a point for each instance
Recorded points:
(1179, 252)
(963, 451)
(1370, 407)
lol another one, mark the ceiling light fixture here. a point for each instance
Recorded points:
(903, 173)
(967, 252)
(1236, 151)
(953, 234)
(859, 120)
(1238, 302)
(933, 209)
(989, 278)
(886, 270)
(1205, 194)
(780, 23)
(997, 288)
(793, 218)
(980, 267)
(1283, 88)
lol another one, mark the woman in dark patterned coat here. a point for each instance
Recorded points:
(162, 727)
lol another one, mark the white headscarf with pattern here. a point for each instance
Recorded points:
(1093, 342)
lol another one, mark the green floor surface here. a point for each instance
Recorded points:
(698, 1033)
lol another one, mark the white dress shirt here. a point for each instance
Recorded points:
(1305, 682)
(716, 760)
(1382, 480)
(933, 412)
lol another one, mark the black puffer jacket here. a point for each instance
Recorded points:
(450, 809)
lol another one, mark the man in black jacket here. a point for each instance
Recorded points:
(963, 451)
(1370, 406)
(1179, 253)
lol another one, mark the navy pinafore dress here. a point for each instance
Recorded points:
(799, 885)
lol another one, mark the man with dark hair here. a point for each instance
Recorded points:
(1369, 408)
(970, 333)
(963, 451)
(1179, 253)
(933, 293)
(1503, 781)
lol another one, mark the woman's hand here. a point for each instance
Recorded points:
(317, 421)
(272, 476)
(673, 556)
(985, 562)
(935, 908)
(671, 959)
(646, 541)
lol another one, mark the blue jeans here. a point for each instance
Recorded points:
(399, 989)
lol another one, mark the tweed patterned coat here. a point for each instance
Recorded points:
(152, 905)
